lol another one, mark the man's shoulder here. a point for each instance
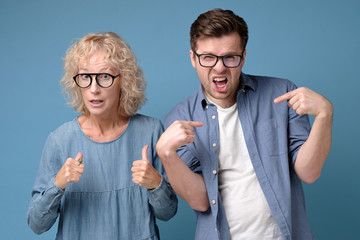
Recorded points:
(184, 109)
(267, 81)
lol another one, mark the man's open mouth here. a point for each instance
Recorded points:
(220, 82)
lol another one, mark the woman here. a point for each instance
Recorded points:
(100, 172)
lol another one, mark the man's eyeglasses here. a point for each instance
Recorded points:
(104, 80)
(210, 60)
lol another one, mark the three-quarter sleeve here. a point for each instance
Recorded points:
(163, 200)
(46, 196)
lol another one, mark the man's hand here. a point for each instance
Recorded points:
(176, 135)
(70, 172)
(306, 101)
(144, 173)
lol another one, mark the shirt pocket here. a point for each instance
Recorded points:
(272, 137)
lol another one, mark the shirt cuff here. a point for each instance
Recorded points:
(55, 188)
(161, 193)
(158, 187)
(52, 195)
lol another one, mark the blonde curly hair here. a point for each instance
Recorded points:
(120, 57)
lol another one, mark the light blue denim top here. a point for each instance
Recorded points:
(105, 203)
(273, 135)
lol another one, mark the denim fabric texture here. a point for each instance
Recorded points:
(105, 203)
(273, 135)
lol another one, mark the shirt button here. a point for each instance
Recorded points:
(207, 106)
(214, 145)
(213, 116)
(214, 172)
(244, 90)
(213, 201)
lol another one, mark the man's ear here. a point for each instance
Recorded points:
(192, 57)
(243, 58)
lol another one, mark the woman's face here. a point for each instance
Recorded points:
(99, 101)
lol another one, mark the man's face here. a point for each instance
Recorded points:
(219, 83)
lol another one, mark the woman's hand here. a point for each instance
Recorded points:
(70, 172)
(144, 173)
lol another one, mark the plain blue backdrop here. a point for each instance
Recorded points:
(313, 43)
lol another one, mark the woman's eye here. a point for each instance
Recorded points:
(84, 76)
(105, 76)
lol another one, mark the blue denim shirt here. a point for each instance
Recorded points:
(273, 134)
(105, 203)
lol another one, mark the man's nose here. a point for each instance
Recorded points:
(219, 66)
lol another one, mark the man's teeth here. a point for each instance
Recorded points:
(219, 79)
(220, 82)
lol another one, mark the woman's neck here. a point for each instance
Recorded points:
(103, 129)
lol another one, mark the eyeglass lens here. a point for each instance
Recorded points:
(211, 60)
(103, 80)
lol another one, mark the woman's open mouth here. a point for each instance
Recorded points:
(96, 102)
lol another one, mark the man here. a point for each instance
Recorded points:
(239, 147)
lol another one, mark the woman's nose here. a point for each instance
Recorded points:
(94, 87)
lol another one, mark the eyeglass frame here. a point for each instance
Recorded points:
(217, 58)
(96, 78)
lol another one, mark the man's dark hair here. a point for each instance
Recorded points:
(216, 23)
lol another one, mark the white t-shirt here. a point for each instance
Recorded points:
(247, 211)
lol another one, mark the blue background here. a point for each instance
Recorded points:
(313, 43)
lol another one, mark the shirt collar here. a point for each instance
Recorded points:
(246, 82)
